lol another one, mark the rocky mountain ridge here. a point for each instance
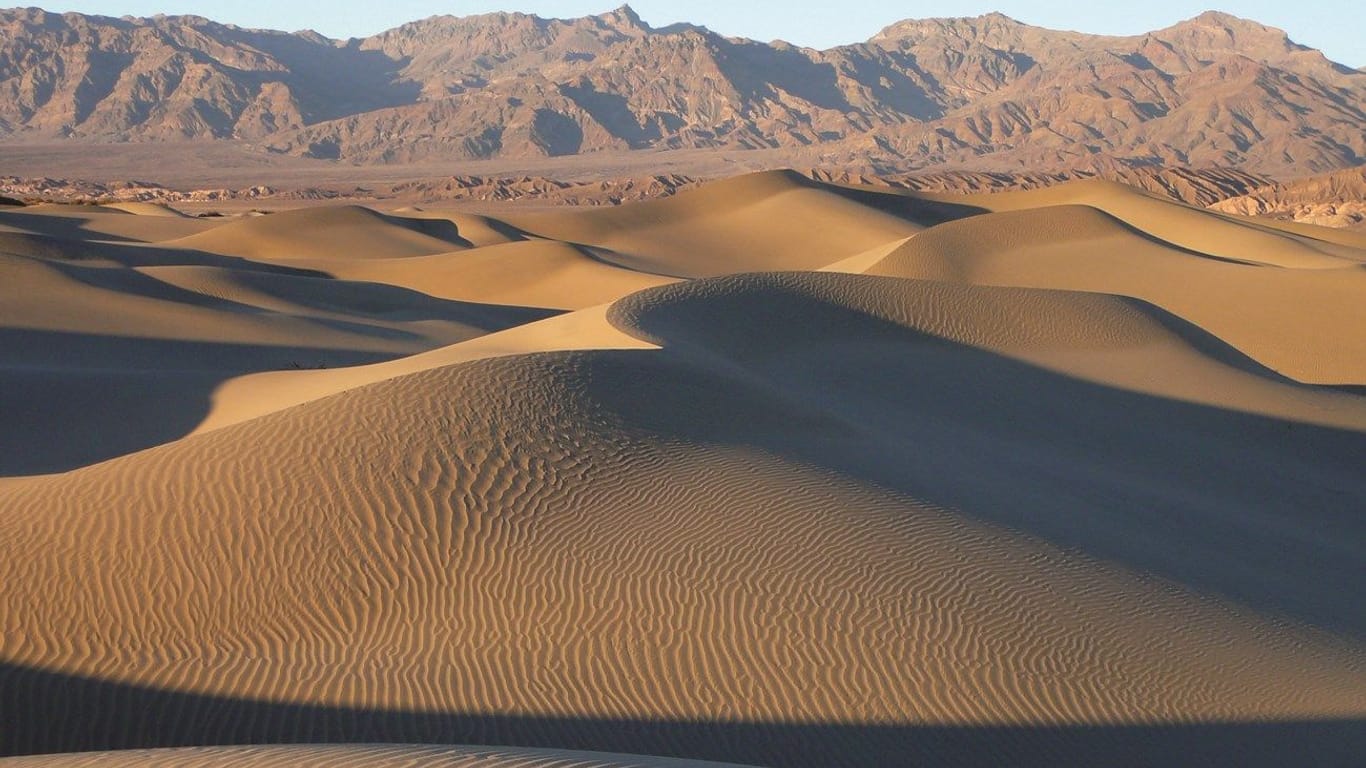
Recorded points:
(985, 93)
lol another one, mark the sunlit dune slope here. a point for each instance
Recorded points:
(855, 480)
(247, 397)
(100, 223)
(774, 220)
(1215, 234)
(325, 231)
(1304, 322)
(771, 472)
(359, 756)
(115, 346)
(146, 209)
(534, 273)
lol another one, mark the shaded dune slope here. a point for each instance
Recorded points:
(539, 273)
(1302, 322)
(118, 345)
(368, 756)
(865, 509)
(313, 232)
(1054, 483)
(98, 222)
(110, 322)
(1233, 237)
(772, 220)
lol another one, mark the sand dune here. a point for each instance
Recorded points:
(100, 222)
(117, 346)
(775, 220)
(146, 209)
(305, 233)
(1050, 484)
(247, 397)
(538, 273)
(1215, 234)
(1299, 321)
(371, 756)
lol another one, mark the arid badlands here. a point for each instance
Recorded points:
(518, 411)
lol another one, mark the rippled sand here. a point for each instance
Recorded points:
(771, 472)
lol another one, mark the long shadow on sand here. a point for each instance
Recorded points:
(65, 416)
(44, 712)
(1262, 511)
(73, 228)
(68, 400)
(1259, 510)
(896, 201)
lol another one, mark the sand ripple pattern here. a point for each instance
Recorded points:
(702, 533)
(833, 519)
(362, 756)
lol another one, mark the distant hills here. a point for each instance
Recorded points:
(985, 93)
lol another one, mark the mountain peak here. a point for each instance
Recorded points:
(1215, 89)
(994, 26)
(624, 16)
(1218, 31)
(1227, 23)
(1222, 18)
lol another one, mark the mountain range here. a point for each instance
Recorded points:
(986, 93)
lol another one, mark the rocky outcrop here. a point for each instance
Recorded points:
(1333, 200)
(978, 93)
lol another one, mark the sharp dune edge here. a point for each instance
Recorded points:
(774, 472)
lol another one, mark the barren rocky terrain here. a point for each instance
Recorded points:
(988, 93)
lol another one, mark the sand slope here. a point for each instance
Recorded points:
(348, 230)
(110, 347)
(1215, 234)
(1020, 498)
(537, 273)
(334, 756)
(100, 222)
(1299, 320)
(774, 220)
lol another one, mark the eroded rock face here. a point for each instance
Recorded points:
(1333, 200)
(1214, 90)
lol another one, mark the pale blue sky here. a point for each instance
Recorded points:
(1337, 27)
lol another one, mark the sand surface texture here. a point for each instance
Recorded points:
(354, 756)
(772, 472)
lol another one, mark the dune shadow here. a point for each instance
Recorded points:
(45, 712)
(513, 234)
(900, 202)
(59, 415)
(62, 227)
(1261, 511)
(441, 229)
(72, 399)
(1156, 240)
(59, 250)
(75, 398)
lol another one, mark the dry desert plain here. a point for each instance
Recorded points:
(772, 472)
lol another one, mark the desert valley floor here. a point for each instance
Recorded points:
(771, 472)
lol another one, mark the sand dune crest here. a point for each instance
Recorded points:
(1049, 481)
